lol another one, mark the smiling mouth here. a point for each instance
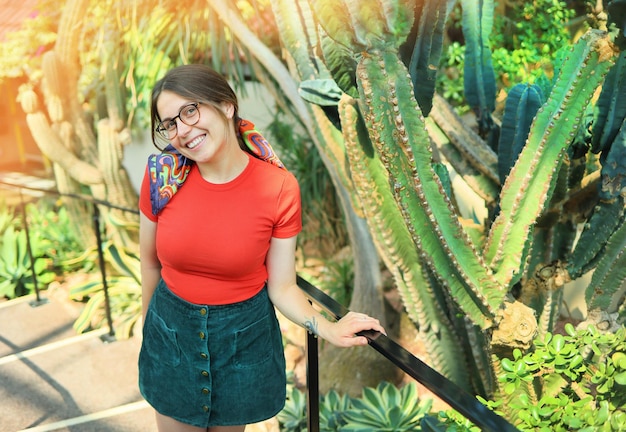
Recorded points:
(193, 144)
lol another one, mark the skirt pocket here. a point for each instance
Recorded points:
(159, 341)
(253, 344)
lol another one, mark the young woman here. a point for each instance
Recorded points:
(218, 226)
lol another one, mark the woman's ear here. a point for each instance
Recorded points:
(229, 109)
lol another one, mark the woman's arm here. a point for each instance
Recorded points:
(150, 264)
(291, 301)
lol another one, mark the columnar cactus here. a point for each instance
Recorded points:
(470, 295)
(81, 155)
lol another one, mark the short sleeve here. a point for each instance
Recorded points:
(145, 206)
(289, 211)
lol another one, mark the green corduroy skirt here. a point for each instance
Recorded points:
(212, 365)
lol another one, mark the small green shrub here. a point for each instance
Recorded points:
(50, 223)
(382, 409)
(124, 289)
(527, 39)
(292, 418)
(575, 381)
(525, 42)
(17, 272)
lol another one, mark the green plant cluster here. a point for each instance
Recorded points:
(527, 39)
(55, 249)
(575, 381)
(51, 242)
(525, 43)
(383, 409)
(582, 376)
(123, 286)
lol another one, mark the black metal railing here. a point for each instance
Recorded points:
(457, 398)
(39, 300)
(469, 406)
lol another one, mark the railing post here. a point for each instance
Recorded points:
(312, 383)
(107, 304)
(38, 300)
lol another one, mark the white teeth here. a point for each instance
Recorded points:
(195, 142)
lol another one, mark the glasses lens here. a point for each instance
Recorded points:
(190, 114)
(167, 131)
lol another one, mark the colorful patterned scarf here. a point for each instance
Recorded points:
(169, 169)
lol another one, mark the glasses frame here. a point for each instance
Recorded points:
(165, 133)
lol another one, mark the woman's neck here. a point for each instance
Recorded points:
(226, 169)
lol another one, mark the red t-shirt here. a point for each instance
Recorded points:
(212, 239)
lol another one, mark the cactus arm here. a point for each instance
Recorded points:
(426, 307)
(115, 92)
(426, 53)
(288, 14)
(330, 16)
(468, 143)
(322, 92)
(333, 149)
(603, 221)
(389, 109)
(316, 86)
(467, 152)
(360, 25)
(531, 181)
(397, 129)
(522, 103)
(611, 106)
(483, 186)
(479, 77)
(607, 213)
(341, 65)
(54, 149)
(66, 52)
(607, 289)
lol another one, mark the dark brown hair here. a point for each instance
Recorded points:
(195, 82)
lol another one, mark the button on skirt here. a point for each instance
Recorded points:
(212, 365)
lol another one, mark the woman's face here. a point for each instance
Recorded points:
(203, 141)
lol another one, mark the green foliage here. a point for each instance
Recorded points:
(16, 268)
(450, 80)
(338, 279)
(50, 223)
(20, 52)
(292, 418)
(527, 39)
(124, 290)
(580, 382)
(335, 277)
(582, 377)
(387, 409)
(383, 409)
(525, 44)
(332, 411)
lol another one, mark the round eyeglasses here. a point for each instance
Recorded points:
(189, 115)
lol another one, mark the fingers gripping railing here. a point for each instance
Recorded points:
(466, 404)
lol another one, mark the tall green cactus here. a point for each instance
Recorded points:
(440, 267)
(84, 156)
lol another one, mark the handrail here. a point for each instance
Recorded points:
(466, 404)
